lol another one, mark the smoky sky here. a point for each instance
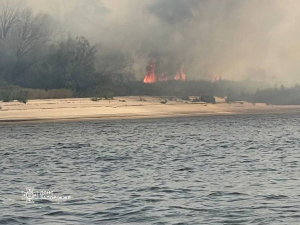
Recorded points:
(173, 11)
(234, 39)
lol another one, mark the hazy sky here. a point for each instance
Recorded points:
(234, 39)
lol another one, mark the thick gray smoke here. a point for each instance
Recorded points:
(234, 39)
(174, 11)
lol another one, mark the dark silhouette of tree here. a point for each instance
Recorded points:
(30, 32)
(10, 14)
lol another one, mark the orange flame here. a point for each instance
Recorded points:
(150, 76)
(180, 75)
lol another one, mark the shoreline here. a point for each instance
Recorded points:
(125, 108)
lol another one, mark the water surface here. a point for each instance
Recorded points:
(209, 170)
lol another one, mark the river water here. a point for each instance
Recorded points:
(208, 170)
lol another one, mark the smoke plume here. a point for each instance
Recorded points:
(240, 40)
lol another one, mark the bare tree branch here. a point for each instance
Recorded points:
(30, 32)
(10, 14)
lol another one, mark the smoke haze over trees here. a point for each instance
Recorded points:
(79, 44)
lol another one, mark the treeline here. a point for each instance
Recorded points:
(31, 55)
(271, 96)
(230, 90)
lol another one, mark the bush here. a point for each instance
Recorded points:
(23, 100)
(142, 99)
(108, 95)
(229, 100)
(185, 98)
(96, 99)
(22, 96)
(208, 99)
(6, 97)
(49, 94)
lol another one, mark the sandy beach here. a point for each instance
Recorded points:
(125, 108)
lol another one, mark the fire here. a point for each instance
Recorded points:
(150, 76)
(216, 78)
(180, 75)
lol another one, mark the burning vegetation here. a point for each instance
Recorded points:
(180, 75)
(152, 71)
(150, 76)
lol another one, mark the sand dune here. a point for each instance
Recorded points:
(124, 108)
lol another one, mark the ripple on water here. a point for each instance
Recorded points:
(208, 170)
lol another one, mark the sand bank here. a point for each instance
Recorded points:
(124, 108)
